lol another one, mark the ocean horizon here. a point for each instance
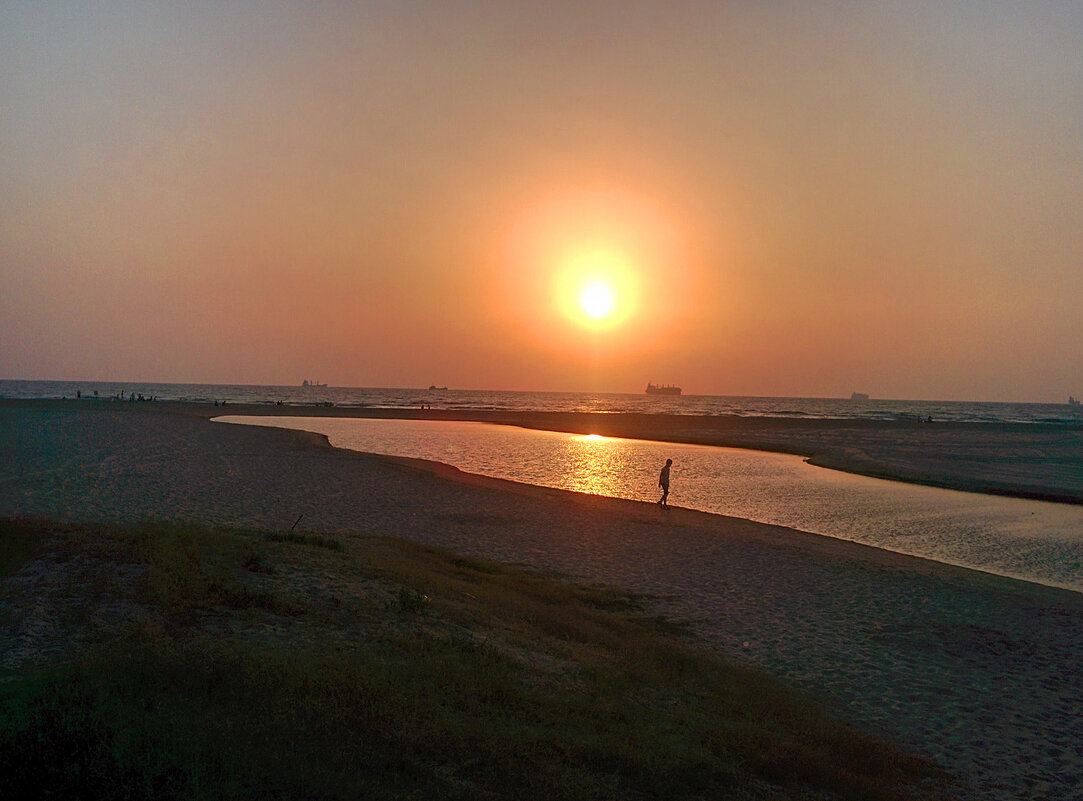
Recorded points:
(551, 401)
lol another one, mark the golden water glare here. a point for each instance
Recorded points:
(595, 464)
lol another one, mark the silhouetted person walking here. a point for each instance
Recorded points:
(663, 482)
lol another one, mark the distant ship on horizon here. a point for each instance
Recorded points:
(1073, 401)
(859, 396)
(662, 389)
(307, 383)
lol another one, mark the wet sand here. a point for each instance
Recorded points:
(978, 672)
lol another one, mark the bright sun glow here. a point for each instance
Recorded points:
(596, 287)
(596, 300)
(596, 263)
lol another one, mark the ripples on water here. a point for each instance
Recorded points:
(559, 401)
(1026, 539)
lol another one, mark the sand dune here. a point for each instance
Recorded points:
(978, 672)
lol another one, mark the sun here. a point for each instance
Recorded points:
(600, 265)
(596, 300)
(596, 287)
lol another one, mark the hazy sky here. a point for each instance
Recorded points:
(783, 198)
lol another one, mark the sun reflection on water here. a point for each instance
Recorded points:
(594, 464)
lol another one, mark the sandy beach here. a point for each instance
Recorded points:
(978, 672)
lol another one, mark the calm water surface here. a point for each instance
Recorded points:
(1026, 539)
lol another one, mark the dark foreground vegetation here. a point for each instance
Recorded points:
(201, 663)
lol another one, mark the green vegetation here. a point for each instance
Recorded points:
(254, 666)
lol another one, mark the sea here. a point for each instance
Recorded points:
(442, 398)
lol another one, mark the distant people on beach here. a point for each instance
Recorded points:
(663, 482)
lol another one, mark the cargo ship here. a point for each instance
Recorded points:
(663, 389)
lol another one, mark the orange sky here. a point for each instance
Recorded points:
(788, 200)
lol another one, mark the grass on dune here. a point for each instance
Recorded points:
(263, 666)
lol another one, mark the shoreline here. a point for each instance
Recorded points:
(453, 473)
(655, 428)
(1033, 461)
(770, 532)
(585, 423)
(897, 645)
(773, 533)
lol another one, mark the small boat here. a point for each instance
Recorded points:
(307, 383)
(662, 389)
(434, 388)
(859, 396)
(1073, 401)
